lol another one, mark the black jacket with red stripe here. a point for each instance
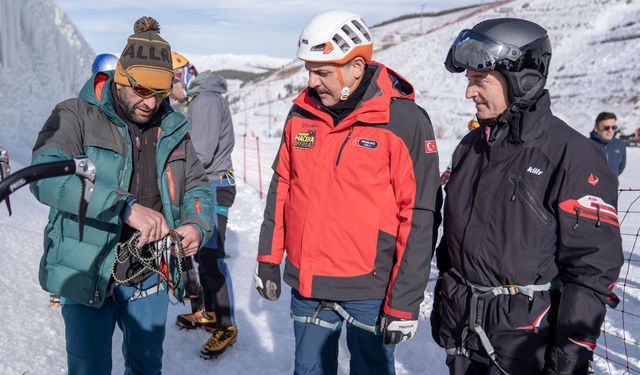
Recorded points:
(534, 201)
(356, 205)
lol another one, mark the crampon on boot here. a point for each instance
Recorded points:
(220, 340)
(54, 301)
(199, 319)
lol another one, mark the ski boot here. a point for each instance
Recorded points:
(220, 340)
(199, 319)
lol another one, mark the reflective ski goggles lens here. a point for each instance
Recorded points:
(179, 75)
(476, 52)
(145, 92)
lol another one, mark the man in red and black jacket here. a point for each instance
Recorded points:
(531, 246)
(354, 202)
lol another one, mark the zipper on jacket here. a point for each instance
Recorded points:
(100, 263)
(343, 144)
(530, 199)
(515, 189)
(577, 210)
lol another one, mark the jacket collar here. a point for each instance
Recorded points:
(522, 125)
(385, 86)
(596, 137)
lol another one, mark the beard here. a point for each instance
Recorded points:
(139, 118)
(129, 110)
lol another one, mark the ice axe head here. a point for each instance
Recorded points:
(5, 171)
(86, 170)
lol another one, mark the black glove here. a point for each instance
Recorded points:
(568, 357)
(267, 279)
(395, 330)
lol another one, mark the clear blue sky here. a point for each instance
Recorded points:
(227, 26)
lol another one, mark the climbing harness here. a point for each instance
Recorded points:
(334, 306)
(479, 295)
(230, 177)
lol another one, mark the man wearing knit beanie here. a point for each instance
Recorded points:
(149, 180)
(145, 65)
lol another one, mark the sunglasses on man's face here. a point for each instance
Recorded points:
(607, 128)
(145, 92)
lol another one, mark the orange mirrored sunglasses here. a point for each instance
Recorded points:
(145, 92)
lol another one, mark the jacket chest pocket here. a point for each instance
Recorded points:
(522, 191)
(364, 157)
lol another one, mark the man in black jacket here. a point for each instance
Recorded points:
(531, 246)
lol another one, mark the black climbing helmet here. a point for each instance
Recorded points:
(519, 49)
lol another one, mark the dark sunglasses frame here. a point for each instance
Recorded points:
(612, 127)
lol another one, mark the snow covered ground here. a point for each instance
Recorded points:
(32, 341)
(246, 63)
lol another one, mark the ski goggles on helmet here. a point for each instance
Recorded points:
(146, 92)
(179, 75)
(476, 52)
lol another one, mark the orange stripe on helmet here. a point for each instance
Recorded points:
(364, 51)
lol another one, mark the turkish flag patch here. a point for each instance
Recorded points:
(430, 146)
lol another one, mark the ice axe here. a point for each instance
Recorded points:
(80, 165)
(5, 171)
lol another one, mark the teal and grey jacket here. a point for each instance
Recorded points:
(80, 271)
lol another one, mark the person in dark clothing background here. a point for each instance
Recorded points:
(213, 138)
(604, 135)
(531, 247)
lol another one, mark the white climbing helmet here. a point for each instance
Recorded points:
(336, 36)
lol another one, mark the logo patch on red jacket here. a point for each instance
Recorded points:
(430, 146)
(367, 143)
(593, 179)
(305, 140)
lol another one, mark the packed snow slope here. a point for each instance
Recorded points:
(246, 63)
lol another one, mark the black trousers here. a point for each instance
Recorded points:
(213, 271)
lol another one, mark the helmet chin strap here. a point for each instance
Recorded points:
(344, 91)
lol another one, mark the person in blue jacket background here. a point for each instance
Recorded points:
(604, 134)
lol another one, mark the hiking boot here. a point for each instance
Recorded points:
(199, 319)
(220, 340)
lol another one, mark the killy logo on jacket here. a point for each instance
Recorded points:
(593, 179)
(305, 140)
(536, 171)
